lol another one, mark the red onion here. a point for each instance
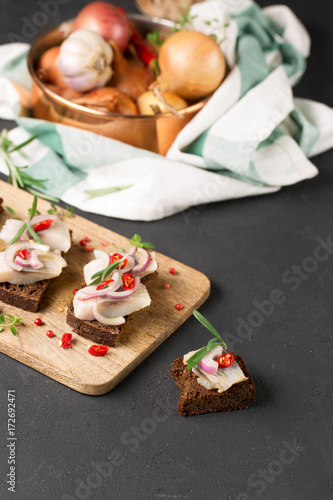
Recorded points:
(90, 292)
(106, 20)
(11, 252)
(142, 259)
(208, 363)
(124, 293)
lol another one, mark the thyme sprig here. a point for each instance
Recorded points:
(10, 321)
(199, 355)
(16, 175)
(185, 20)
(137, 241)
(27, 226)
(67, 212)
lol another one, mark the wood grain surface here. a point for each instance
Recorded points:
(145, 330)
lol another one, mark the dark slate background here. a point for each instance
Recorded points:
(131, 443)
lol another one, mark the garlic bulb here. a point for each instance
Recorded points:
(85, 60)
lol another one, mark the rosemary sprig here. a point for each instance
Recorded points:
(68, 212)
(136, 240)
(27, 226)
(94, 193)
(11, 321)
(16, 175)
(199, 355)
(101, 275)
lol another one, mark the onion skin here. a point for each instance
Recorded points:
(106, 20)
(48, 70)
(110, 100)
(192, 65)
(129, 76)
(148, 100)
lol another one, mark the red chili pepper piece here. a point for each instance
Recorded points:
(226, 360)
(103, 284)
(49, 333)
(75, 291)
(167, 285)
(44, 224)
(172, 270)
(23, 253)
(38, 321)
(86, 238)
(89, 248)
(179, 307)
(104, 243)
(128, 281)
(143, 48)
(66, 340)
(98, 350)
(117, 256)
(83, 242)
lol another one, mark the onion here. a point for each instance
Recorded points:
(22, 262)
(148, 102)
(208, 363)
(47, 69)
(142, 261)
(90, 292)
(107, 321)
(106, 20)
(11, 252)
(192, 65)
(129, 76)
(125, 293)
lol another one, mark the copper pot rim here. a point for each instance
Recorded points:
(193, 108)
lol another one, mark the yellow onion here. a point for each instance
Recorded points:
(192, 65)
(148, 102)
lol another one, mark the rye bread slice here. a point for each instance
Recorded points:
(195, 399)
(27, 297)
(95, 331)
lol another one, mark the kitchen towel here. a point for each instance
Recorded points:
(251, 138)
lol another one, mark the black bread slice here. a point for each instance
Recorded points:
(27, 297)
(195, 399)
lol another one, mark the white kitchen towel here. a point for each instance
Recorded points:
(251, 138)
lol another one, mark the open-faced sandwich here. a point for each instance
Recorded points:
(115, 289)
(31, 258)
(212, 380)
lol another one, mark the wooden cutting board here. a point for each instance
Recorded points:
(145, 331)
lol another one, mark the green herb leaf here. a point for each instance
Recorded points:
(23, 144)
(33, 207)
(2, 318)
(94, 193)
(10, 210)
(68, 212)
(18, 234)
(155, 37)
(120, 276)
(13, 329)
(34, 234)
(136, 240)
(199, 355)
(1, 328)
(209, 327)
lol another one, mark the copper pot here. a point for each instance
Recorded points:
(155, 133)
